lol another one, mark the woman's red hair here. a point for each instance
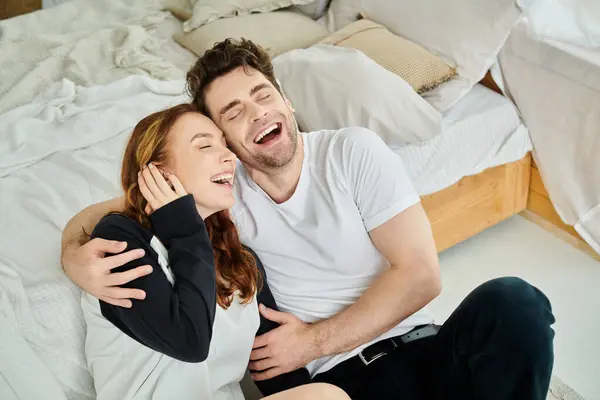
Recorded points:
(235, 266)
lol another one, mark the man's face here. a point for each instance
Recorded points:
(257, 121)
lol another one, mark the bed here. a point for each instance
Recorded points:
(556, 86)
(470, 181)
(55, 159)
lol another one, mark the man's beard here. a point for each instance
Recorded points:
(275, 161)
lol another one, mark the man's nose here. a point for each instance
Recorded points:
(258, 112)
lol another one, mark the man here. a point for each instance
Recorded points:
(349, 257)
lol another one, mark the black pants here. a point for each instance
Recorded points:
(497, 345)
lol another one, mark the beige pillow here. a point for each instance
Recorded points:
(277, 32)
(421, 69)
(206, 11)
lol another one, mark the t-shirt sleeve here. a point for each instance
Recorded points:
(374, 175)
(176, 318)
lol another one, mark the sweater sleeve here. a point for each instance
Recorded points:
(176, 317)
(288, 380)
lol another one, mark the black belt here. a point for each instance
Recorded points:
(388, 346)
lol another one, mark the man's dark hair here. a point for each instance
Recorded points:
(223, 58)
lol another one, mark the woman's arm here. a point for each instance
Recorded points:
(174, 319)
(291, 379)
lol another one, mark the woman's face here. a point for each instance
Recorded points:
(200, 159)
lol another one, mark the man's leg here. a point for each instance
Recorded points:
(497, 345)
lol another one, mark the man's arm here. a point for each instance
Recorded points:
(84, 261)
(411, 282)
(78, 229)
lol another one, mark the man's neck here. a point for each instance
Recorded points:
(280, 184)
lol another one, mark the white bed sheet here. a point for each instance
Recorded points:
(73, 162)
(481, 131)
(557, 90)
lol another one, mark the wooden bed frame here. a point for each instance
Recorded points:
(478, 202)
(12, 8)
(540, 210)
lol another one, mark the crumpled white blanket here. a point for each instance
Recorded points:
(59, 155)
(89, 42)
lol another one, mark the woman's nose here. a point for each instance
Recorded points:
(227, 156)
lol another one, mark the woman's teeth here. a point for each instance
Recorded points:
(265, 133)
(223, 178)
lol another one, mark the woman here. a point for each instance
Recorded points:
(192, 335)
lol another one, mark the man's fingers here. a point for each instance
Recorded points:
(107, 246)
(124, 293)
(260, 353)
(268, 374)
(122, 259)
(117, 302)
(262, 365)
(179, 189)
(161, 183)
(262, 340)
(121, 278)
(275, 316)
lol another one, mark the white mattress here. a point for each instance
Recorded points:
(481, 131)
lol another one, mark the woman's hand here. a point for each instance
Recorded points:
(155, 188)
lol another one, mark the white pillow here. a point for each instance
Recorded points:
(466, 33)
(206, 11)
(315, 9)
(568, 21)
(334, 87)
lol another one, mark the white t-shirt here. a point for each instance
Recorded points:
(316, 248)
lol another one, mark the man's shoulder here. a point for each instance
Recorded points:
(340, 137)
(342, 145)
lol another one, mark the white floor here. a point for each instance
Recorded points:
(569, 277)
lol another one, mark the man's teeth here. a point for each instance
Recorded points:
(223, 178)
(265, 133)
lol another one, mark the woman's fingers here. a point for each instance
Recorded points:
(146, 192)
(179, 189)
(152, 186)
(161, 183)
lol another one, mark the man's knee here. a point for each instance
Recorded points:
(519, 309)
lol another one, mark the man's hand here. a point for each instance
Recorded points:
(284, 349)
(89, 269)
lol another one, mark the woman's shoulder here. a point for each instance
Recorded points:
(116, 226)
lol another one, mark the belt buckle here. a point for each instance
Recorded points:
(376, 356)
